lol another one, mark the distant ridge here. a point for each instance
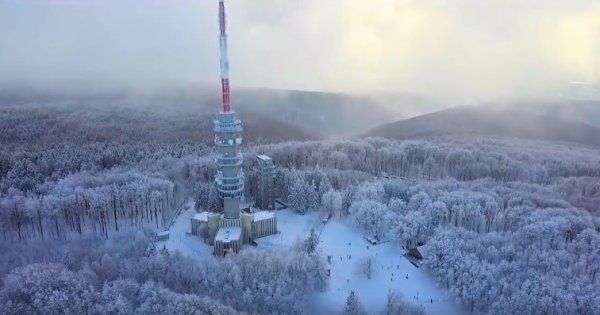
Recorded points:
(323, 113)
(490, 121)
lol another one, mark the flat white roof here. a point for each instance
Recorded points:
(263, 157)
(263, 215)
(165, 233)
(202, 216)
(229, 234)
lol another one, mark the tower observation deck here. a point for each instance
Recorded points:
(230, 177)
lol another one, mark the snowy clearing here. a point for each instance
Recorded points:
(292, 227)
(180, 238)
(389, 271)
(347, 246)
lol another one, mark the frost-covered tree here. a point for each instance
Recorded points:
(310, 244)
(365, 266)
(397, 305)
(312, 196)
(46, 289)
(119, 297)
(353, 305)
(298, 200)
(332, 202)
(372, 216)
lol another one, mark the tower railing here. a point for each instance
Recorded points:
(230, 192)
(228, 127)
(230, 161)
(235, 141)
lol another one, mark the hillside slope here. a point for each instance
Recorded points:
(485, 121)
(103, 121)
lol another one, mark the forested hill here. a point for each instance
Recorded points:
(331, 114)
(324, 113)
(489, 121)
(124, 122)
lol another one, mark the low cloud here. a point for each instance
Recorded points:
(455, 50)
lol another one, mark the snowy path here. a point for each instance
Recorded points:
(390, 271)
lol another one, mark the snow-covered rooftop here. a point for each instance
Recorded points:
(228, 234)
(202, 216)
(263, 215)
(263, 157)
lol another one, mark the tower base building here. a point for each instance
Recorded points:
(229, 235)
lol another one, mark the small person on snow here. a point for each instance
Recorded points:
(407, 276)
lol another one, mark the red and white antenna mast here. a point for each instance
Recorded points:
(224, 59)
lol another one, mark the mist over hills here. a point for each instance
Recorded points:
(585, 111)
(510, 122)
(282, 115)
(321, 114)
(332, 114)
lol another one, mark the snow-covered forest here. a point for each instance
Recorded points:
(510, 226)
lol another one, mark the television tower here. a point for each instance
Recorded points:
(228, 138)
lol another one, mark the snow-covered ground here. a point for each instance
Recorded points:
(347, 246)
(391, 270)
(292, 227)
(180, 238)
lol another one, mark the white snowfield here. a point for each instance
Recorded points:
(347, 246)
(390, 270)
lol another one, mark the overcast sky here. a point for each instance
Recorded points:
(464, 50)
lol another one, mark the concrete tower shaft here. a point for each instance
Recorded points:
(230, 178)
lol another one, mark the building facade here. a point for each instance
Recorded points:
(228, 240)
(265, 198)
(213, 227)
(264, 223)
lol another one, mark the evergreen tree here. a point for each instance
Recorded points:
(298, 199)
